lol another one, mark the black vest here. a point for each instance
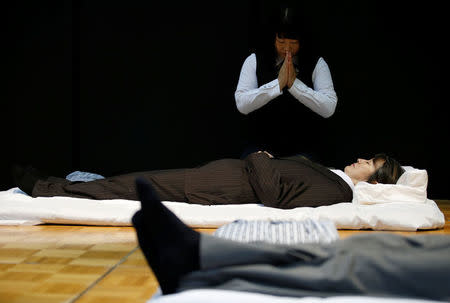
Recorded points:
(284, 126)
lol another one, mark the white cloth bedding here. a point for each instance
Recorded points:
(227, 296)
(17, 208)
(410, 187)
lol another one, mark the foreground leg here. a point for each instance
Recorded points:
(170, 247)
(380, 264)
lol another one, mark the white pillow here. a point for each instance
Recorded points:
(414, 177)
(410, 187)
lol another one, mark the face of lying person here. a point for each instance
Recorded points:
(362, 169)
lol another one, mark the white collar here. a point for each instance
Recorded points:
(344, 177)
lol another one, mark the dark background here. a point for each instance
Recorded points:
(118, 86)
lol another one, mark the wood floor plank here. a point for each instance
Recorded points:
(14, 297)
(54, 263)
(16, 255)
(132, 280)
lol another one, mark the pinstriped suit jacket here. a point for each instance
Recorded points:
(282, 183)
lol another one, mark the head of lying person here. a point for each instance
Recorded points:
(380, 169)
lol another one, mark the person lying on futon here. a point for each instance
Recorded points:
(259, 178)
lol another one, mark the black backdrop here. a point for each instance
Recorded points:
(118, 86)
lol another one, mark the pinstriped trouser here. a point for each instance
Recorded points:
(169, 185)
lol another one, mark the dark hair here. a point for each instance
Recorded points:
(389, 172)
(287, 25)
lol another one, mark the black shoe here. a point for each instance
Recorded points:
(26, 177)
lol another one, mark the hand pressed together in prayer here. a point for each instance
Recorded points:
(287, 74)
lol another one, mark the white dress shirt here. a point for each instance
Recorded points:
(321, 99)
(344, 177)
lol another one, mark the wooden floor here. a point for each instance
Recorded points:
(58, 263)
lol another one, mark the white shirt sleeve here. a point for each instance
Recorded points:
(249, 97)
(322, 99)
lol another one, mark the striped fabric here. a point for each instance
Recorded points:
(279, 232)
